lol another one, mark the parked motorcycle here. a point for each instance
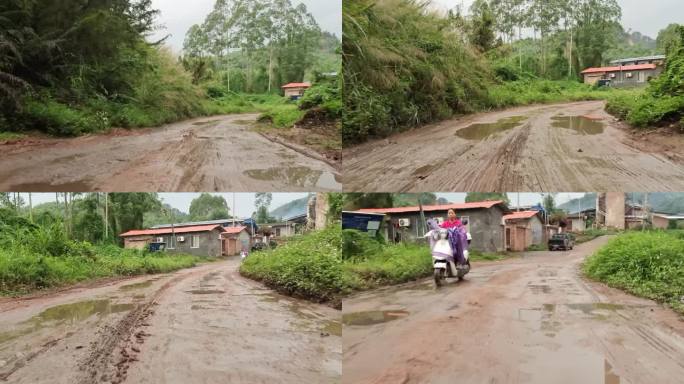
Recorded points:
(446, 246)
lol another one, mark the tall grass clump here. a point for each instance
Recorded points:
(648, 264)
(34, 257)
(307, 266)
(405, 65)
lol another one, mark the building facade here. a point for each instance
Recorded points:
(485, 222)
(198, 240)
(523, 229)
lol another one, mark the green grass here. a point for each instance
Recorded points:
(591, 234)
(8, 136)
(370, 263)
(642, 110)
(23, 271)
(307, 266)
(648, 264)
(535, 91)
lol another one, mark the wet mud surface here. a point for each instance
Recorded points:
(204, 154)
(205, 324)
(573, 146)
(527, 320)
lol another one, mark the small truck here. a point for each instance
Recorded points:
(564, 241)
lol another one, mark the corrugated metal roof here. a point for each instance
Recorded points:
(296, 85)
(520, 215)
(431, 208)
(620, 68)
(654, 57)
(161, 231)
(195, 223)
(233, 230)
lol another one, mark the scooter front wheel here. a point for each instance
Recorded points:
(438, 275)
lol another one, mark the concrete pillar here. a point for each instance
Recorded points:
(615, 210)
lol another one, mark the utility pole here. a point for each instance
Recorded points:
(422, 214)
(106, 216)
(234, 216)
(30, 207)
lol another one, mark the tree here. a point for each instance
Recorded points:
(356, 200)
(209, 207)
(668, 38)
(127, 210)
(486, 196)
(262, 202)
(482, 26)
(549, 203)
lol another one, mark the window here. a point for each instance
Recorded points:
(195, 241)
(171, 244)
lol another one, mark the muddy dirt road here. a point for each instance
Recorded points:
(529, 320)
(218, 153)
(562, 147)
(202, 325)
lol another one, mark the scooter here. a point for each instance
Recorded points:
(443, 261)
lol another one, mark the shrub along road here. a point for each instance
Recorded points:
(571, 146)
(218, 153)
(205, 324)
(528, 320)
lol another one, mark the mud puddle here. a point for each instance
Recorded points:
(132, 287)
(66, 314)
(76, 186)
(481, 131)
(372, 317)
(205, 291)
(299, 176)
(206, 122)
(333, 328)
(580, 124)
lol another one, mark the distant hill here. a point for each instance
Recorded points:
(588, 201)
(631, 44)
(293, 208)
(663, 202)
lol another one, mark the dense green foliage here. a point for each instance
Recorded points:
(648, 264)
(73, 67)
(306, 266)
(36, 256)
(663, 100)
(404, 66)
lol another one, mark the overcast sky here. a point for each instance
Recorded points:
(647, 17)
(178, 16)
(244, 202)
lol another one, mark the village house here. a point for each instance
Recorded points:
(294, 91)
(524, 229)
(234, 240)
(578, 221)
(198, 240)
(662, 220)
(485, 222)
(635, 71)
(290, 226)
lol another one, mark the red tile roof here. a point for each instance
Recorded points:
(161, 231)
(233, 230)
(431, 208)
(297, 85)
(623, 68)
(520, 215)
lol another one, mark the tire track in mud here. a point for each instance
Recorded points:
(100, 365)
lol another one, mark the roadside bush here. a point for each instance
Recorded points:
(392, 264)
(55, 118)
(357, 245)
(648, 264)
(307, 266)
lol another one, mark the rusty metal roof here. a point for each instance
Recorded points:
(431, 208)
(161, 231)
(621, 68)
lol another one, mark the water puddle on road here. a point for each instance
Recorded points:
(132, 287)
(298, 176)
(590, 308)
(580, 124)
(481, 131)
(66, 314)
(333, 327)
(79, 186)
(205, 291)
(372, 317)
(206, 122)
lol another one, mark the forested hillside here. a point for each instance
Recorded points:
(73, 67)
(407, 64)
